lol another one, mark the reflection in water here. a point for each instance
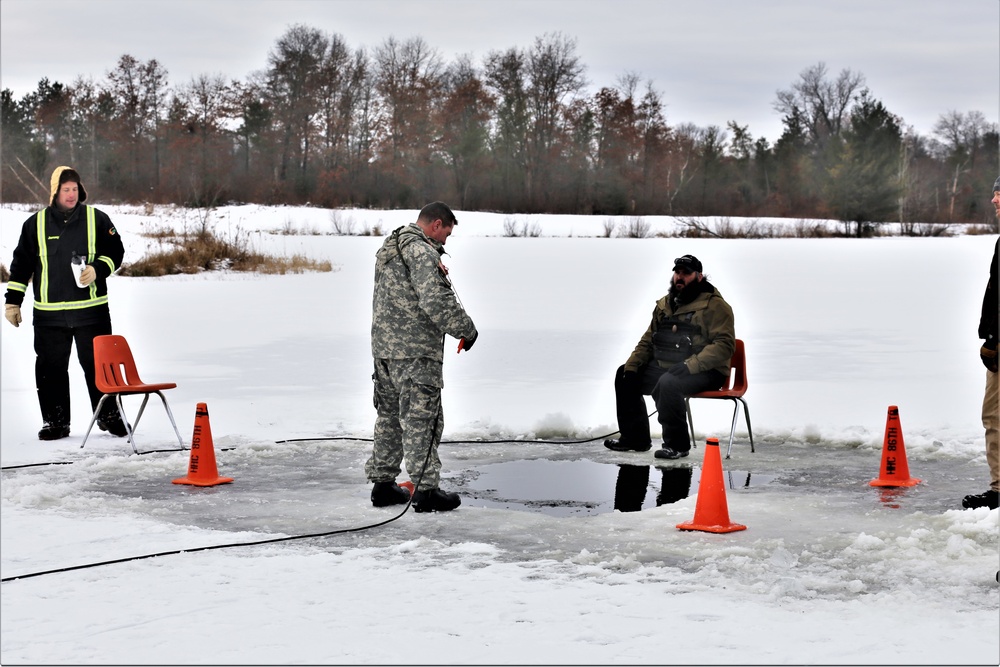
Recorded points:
(676, 485)
(890, 496)
(584, 487)
(630, 489)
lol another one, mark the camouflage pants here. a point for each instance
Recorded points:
(410, 419)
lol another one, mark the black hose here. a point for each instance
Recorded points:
(343, 437)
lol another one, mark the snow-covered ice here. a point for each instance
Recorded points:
(536, 566)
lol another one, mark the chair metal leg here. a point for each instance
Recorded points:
(93, 419)
(732, 429)
(687, 403)
(129, 429)
(746, 412)
(142, 408)
(172, 422)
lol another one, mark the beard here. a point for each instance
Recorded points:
(677, 287)
(680, 293)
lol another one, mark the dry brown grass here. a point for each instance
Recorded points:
(204, 251)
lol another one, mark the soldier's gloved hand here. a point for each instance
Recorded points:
(679, 369)
(88, 275)
(467, 343)
(13, 314)
(987, 354)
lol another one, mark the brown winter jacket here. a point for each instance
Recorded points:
(713, 342)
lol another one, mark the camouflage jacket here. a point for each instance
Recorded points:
(414, 304)
(713, 335)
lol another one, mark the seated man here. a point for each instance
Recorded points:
(685, 350)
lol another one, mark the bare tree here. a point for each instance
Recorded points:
(293, 78)
(407, 79)
(655, 135)
(962, 138)
(86, 118)
(463, 119)
(336, 101)
(139, 90)
(555, 74)
(361, 139)
(681, 162)
(207, 103)
(505, 75)
(824, 103)
(153, 78)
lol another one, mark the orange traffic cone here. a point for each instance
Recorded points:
(895, 471)
(202, 470)
(711, 512)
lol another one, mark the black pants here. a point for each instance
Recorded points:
(52, 351)
(668, 392)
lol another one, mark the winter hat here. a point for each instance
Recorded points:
(65, 175)
(688, 263)
(996, 185)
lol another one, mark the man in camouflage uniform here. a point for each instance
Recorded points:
(685, 350)
(414, 306)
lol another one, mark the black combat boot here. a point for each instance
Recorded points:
(665, 452)
(435, 500)
(623, 445)
(984, 499)
(385, 494)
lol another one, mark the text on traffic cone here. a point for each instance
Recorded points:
(202, 470)
(894, 470)
(711, 511)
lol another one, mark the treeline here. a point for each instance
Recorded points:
(397, 126)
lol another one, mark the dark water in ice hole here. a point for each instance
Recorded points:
(584, 487)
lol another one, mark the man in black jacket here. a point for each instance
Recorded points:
(991, 400)
(66, 251)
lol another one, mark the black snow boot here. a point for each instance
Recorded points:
(112, 425)
(54, 432)
(985, 499)
(385, 494)
(435, 500)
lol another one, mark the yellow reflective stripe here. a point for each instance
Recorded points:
(91, 235)
(43, 256)
(91, 247)
(72, 305)
(17, 287)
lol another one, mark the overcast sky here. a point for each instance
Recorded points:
(712, 60)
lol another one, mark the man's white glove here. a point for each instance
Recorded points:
(88, 275)
(12, 313)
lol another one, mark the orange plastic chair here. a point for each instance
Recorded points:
(735, 387)
(111, 356)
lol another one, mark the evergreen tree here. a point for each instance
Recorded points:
(863, 189)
